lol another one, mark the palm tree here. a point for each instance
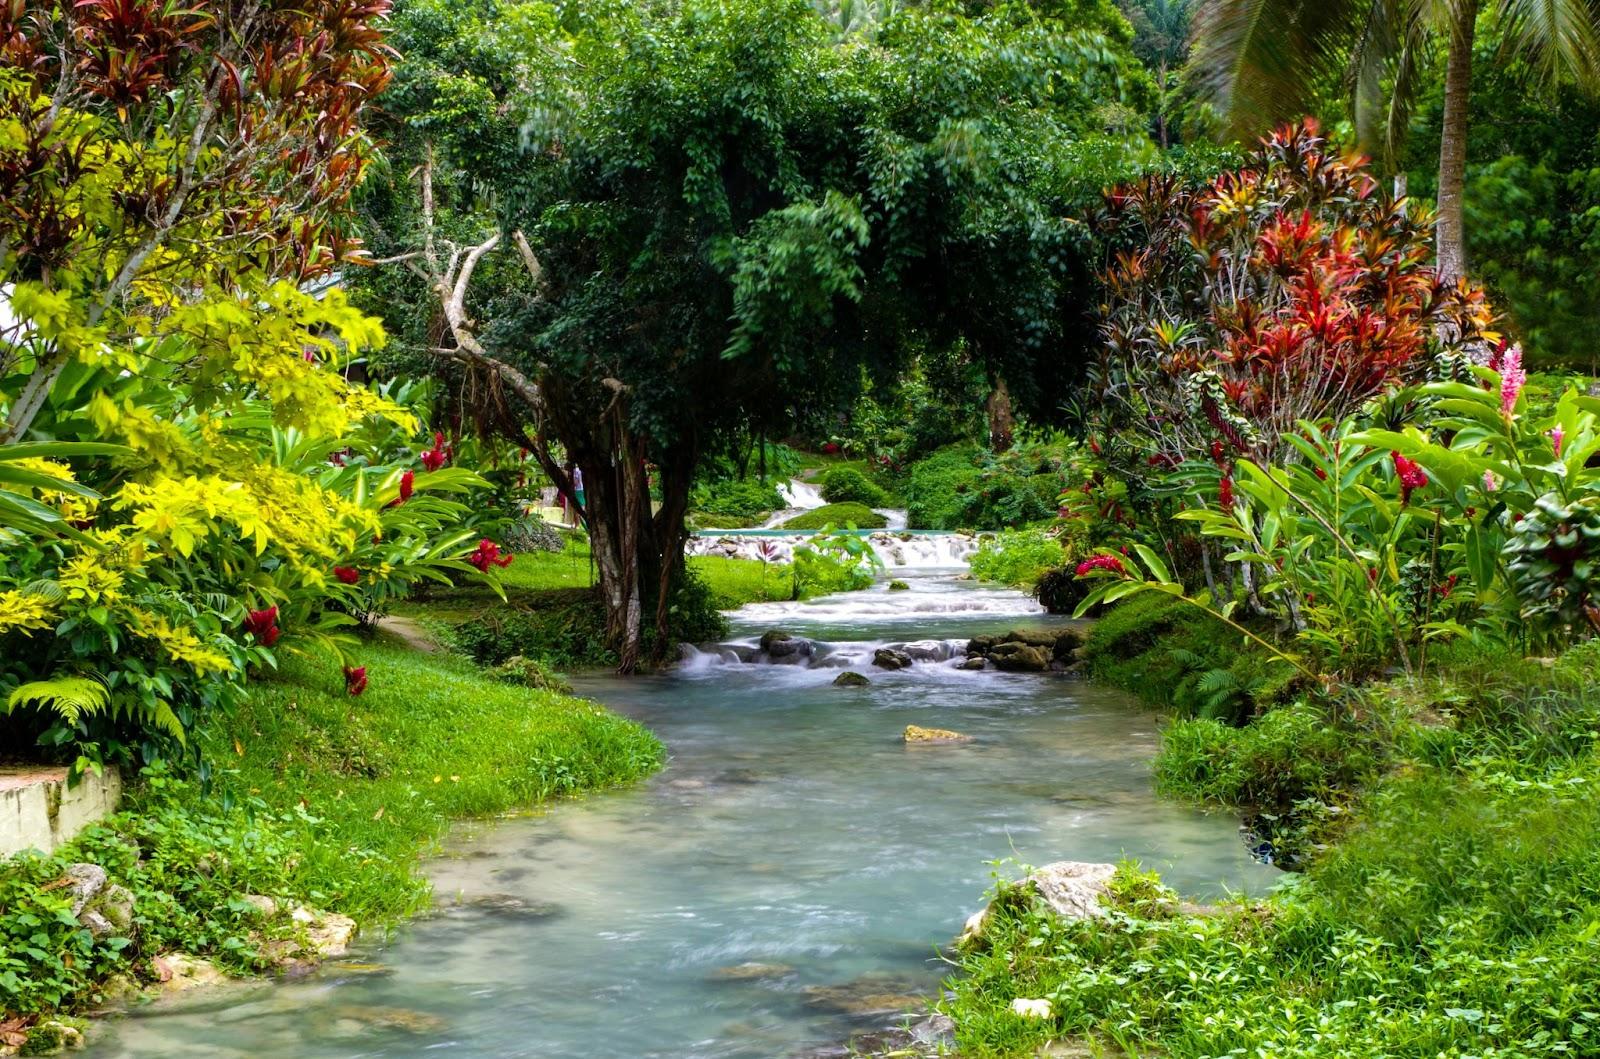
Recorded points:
(1261, 61)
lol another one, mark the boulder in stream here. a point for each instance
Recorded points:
(780, 646)
(890, 658)
(1019, 658)
(850, 679)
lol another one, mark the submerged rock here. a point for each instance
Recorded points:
(750, 972)
(176, 972)
(917, 735)
(404, 1020)
(505, 906)
(851, 679)
(890, 658)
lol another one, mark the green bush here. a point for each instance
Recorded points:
(968, 487)
(846, 484)
(858, 515)
(1285, 756)
(1017, 557)
(746, 499)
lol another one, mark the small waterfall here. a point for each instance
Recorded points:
(897, 551)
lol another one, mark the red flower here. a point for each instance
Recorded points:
(488, 554)
(408, 483)
(1411, 476)
(1094, 446)
(263, 625)
(347, 574)
(1102, 562)
(435, 457)
(1225, 493)
(355, 679)
(1217, 453)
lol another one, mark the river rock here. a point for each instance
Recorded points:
(898, 585)
(750, 972)
(85, 883)
(890, 658)
(850, 679)
(509, 906)
(780, 646)
(1070, 888)
(928, 650)
(1019, 658)
(405, 1020)
(917, 735)
(980, 646)
(972, 662)
(177, 972)
(261, 906)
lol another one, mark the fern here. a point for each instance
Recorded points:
(70, 697)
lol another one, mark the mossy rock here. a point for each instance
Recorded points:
(916, 735)
(850, 679)
(838, 515)
(898, 585)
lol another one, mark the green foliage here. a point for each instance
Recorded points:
(1175, 655)
(746, 500)
(968, 487)
(1285, 756)
(1454, 915)
(829, 515)
(834, 561)
(1017, 557)
(847, 485)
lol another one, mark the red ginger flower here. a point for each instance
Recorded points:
(1102, 562)
(1411, 476)
(355, 679)
(488, 554)
(1225, 493)
(437, 456)
(408, 484)
(263, 625)
(347, 574)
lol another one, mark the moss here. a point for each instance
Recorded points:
(838, 515)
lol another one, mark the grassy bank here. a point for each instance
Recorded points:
(319, 798)
(1449, 907)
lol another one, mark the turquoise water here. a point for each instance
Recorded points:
(792, 828)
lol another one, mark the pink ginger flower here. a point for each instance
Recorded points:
(1102, 562)
(1556, 437)
(1512, 379)
(1488, 481)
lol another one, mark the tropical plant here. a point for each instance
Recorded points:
(1017, 557)
(834, 560)
(1260, 63)
(1290, 289)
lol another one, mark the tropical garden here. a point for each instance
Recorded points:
(373, 374)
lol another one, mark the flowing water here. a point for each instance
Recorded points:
(793, 844)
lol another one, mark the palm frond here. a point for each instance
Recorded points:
(1559, 37)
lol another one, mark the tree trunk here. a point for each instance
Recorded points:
(1002, 421)
(1451, 230)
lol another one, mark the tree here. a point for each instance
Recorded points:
(654, 232)
(1260, 61)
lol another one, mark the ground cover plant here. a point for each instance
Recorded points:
(315, 798)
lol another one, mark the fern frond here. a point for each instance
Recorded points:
(70, 697)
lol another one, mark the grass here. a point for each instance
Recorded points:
(1450, 907)
(318, 798)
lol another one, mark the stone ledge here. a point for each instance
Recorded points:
(38, 810)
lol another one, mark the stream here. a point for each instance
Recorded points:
(793, 845)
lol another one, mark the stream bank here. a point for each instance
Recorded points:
(788, 879)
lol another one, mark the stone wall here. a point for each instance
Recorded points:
(38, 810)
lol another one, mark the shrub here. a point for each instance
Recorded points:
(968, 487)
(1294, 288)
(747, 499)
(846, 484)
(858, 515)
(1016, 557)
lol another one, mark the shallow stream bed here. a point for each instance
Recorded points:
(793, 844)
